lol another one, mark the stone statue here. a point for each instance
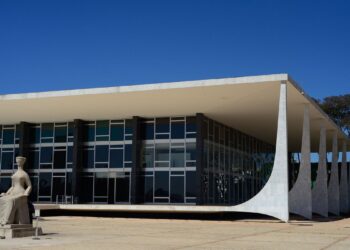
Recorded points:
(14, 203)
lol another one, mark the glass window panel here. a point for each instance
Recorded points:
(148, 189)
(116, 158)
(177, 189)
(178, 130)
(128, 152)
(47, 130)
(89, 158)
(191, 124)
(162, 125)
(7, 160)
(34, 194)
(45, 184)
(161, 184)
(191, 184)
(128, 127)
(102, 153)
(70, 129)
(70, 154)
(33, 161)
(147, 131)
(148, 157)
(190, 151)
(87, 186)
(117, 132)
(8, 136)
(5, 184)
(61, 134)
(162, 136)
(178, 157)
(102, 127)
(101, 182)
(122, 189)
(162, 152)
(89, 131)
(46, 155)
(69, 184)
(58, 188)
(59, 160)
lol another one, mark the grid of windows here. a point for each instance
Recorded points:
(9, 139)
(169, 159)
(236, 166)
(107, 161)
(50, 161)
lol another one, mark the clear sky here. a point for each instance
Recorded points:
(59, 44)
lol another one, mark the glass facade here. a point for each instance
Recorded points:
(50, 161)
(107, 161)
(235, 166)
(169, 160)
(9, 149)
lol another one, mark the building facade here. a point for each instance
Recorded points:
(214, 145)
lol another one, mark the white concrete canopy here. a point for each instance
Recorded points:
(242, 103)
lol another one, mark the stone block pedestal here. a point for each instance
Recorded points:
(18, 231)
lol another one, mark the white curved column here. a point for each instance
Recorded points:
(333, 187)
(273, 198)
(344, 195)
(320, 190)
(300, 199)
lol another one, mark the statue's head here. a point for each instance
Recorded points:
(20, 161)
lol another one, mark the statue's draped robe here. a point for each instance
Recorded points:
(14, 206)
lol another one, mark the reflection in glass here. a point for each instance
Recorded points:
(59, 159)
(45, 184)
(61, 134)
(162, 152)
(177, 189)
(177, 157)
(117, 132)
(122, 189)
(7, 160)
(102, 153)
(116, 158)
(8, 136)
(178, 130)
(161, 184)
(46, 155)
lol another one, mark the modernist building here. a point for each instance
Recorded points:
(209, 145)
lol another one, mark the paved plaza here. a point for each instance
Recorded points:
(72, 232)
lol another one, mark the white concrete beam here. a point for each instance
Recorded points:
(344, 195)
(300, 198)
(333, 187)
(273, 198)
(320, 190)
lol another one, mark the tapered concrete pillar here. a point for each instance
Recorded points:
(344, 195)
(273, 198)
(320, 190)
(333, 187)
(300, 198)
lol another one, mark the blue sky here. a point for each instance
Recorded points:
(53, 45)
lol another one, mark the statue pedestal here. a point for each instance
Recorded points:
(18, 230)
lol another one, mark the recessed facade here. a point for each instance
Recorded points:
(212, 145)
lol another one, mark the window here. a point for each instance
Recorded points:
(116, 158)
(177, 189)
(177, 129)
(117, 132)
(161, 184)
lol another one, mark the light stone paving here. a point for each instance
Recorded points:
(65, 232)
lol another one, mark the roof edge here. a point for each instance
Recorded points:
(147, 87)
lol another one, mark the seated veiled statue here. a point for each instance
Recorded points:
(14, 203)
